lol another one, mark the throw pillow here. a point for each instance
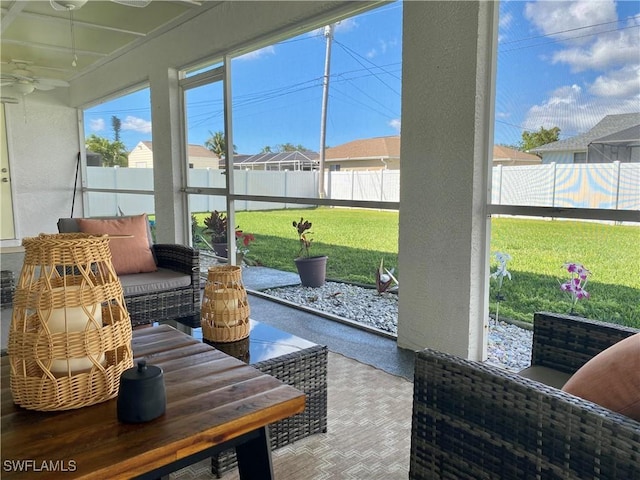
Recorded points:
(129, 254)
(611, 378)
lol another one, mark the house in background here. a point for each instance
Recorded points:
(510, 157)
(384, 153)
(614, 138)
(198, 156)
(376, 153)
(280, 161)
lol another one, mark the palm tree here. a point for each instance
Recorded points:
(217, 143)
(113, 153)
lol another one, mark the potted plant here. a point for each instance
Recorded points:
(311, 268)
(216, 224)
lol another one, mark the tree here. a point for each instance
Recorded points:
(217, 144)
(117, 125)
(284, 147)
(113, 153)
(541, 137)
(290, 147)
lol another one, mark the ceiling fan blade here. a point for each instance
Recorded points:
(42, 86)
(52, 82)
(133, 3)
(19, 75)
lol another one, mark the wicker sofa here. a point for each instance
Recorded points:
(170, 293)
(474, 421)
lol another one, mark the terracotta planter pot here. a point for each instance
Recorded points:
(312, 270)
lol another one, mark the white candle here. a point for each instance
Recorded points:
(222, 304)
(73, 319)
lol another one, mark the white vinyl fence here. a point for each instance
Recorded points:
(604, 185)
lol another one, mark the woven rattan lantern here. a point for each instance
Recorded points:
(70, 334)
(225, 306)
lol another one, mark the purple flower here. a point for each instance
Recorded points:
(575, 285)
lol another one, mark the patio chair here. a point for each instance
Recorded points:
(171, 291)
(472, 420)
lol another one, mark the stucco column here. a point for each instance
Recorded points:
(447, 133)
(168, 158)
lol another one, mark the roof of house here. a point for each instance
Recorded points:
(305, 158)
(628, 137)
(377, 147)
(607, 126)
(193, 150)
(500, 152)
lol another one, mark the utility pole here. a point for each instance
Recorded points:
(328, 34)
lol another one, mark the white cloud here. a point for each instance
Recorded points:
(346, 25)
(381, 49)
(395, 124)
(97, 125)
(618, 84)
(589, 31)
(562, 18)
(506, 20)
(569, 108)
(260, 53)
(136, 124)
(617, 48)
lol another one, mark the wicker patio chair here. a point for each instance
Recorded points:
(170, 293)
(475, 421)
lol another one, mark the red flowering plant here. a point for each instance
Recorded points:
(575, 285)
(242, 241)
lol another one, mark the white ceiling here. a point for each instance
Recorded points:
(34, 32)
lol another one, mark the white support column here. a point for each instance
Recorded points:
(169, 164)
(447, 134)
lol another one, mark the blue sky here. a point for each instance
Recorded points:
(565, 64)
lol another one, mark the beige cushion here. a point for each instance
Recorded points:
(546, 375)
(131, 254)
(611, 378)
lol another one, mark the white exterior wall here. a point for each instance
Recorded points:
(447, 69)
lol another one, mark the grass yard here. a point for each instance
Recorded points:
(355, 240)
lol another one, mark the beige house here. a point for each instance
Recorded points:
(510, 156)
(199, 157)
(384, 153)
(366, 154)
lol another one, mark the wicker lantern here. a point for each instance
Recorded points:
(225, 306)
(70, 334)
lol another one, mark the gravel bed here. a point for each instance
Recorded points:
(508, 346)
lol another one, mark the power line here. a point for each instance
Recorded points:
(346, 49)
(569, 38)
(569, 30)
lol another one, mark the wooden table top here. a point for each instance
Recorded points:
(211, 398)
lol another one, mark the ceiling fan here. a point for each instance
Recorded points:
(64, 5)
(24, 81)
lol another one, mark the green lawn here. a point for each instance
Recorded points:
(355, 240)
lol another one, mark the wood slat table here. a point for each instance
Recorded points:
(214, 401)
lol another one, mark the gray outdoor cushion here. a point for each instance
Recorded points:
(546, 375)
(158, 281)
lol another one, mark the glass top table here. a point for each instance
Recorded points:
(263, 343)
